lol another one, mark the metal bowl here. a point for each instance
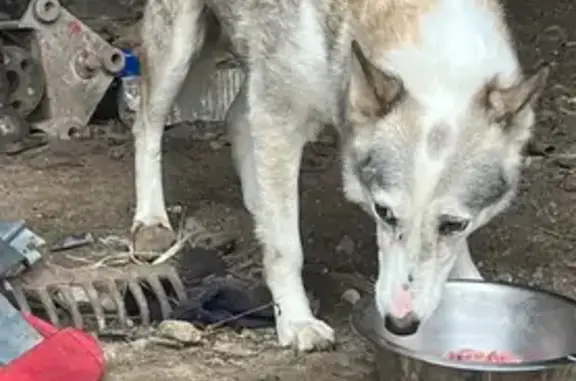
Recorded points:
(537, 326)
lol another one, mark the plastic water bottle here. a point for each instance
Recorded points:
(129, 91)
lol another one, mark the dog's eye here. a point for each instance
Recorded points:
(385, 214)
(451, 226)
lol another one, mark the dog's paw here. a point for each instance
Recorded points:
(155, 238)
(306, 335)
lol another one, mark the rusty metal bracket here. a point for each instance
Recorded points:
(77, 65)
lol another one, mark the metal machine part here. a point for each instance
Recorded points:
(12, 9)
(18, 246)
(17, 336)
(12, 128)
(95, 298)
(25, 80)
(58, 68)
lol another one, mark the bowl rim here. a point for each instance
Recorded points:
(382, 343)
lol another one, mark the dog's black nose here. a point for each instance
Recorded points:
(405, 326)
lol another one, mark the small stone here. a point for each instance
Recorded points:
(217, 145)
(110, 354)
(569, 184)
(505, 277)
(181, 331)
(538, 274)
(346, 246)
(176, 209)
(139, 344)
(232, 349)
(351, 296)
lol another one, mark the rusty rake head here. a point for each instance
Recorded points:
(104, 300)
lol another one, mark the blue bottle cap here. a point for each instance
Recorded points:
(131, 65)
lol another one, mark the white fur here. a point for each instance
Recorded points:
(294, 85)
(276, 157)
(464, 268)
(166, 76)
(461, 46)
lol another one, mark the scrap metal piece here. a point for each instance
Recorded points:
(13, 129)
(13, 9)
(77, 63)
(4, 84)
(73, 241)
(16, 335)
(19, 247)
(53, 288)
(25, 80)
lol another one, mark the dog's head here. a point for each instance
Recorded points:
(429, 183)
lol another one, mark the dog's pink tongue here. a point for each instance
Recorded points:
(401, 303)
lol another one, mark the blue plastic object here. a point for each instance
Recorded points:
(131, 65)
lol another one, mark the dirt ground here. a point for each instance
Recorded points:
(86, 186)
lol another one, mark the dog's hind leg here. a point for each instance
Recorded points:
(172, 33)
(243, 149)
(464, 268)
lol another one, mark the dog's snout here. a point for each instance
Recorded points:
(408, 325)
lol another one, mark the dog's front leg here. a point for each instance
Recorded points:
(277, 153)
(172, 33)
(464, 268)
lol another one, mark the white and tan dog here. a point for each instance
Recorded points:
(433, 111)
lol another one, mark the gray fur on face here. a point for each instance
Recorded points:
(479, 159)
(380, 169)
(475, 177)
(487, 185)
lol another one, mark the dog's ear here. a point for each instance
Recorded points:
(504, 104)
(373, 92)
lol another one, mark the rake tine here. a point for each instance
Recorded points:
(71, 303)
(112, 289)
(177, 284)
(49, 305)
(21, 299)
(156, 286)
(92, 295)
(136, 291)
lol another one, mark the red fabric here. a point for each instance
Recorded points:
(68, 354)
